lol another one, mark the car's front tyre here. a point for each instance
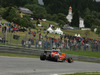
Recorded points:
(69, 60)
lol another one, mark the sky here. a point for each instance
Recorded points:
(97, 0)
(41, 2)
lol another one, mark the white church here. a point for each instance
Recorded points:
(69, 17)
(81, 23)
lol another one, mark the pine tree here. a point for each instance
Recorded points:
(75, 20)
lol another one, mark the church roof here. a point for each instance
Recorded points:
(70, 8)
(25, 10)
(81, 18)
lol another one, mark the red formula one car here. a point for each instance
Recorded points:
(55, 56)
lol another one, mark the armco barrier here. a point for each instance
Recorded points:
(37, 52)
(84, 58)
(24, 51)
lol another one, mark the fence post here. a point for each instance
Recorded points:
(6, 36)
(35, 43)
(17, 38)
(26, 37)
(10, 37)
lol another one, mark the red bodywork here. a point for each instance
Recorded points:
(61, 56)
(55, 53)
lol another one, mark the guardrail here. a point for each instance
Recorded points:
(37, 52)
(24, 51)
(84, 58)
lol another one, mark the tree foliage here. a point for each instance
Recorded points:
(55, 10)
(89, 21)
(12, 15)
(57, 6)
(38, 11)
(75, 20)
(98, 30)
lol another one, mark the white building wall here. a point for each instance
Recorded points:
(81, 23)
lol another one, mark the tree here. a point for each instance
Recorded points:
(93, 27)
(96, 22)
(61, 16)
(49, 17)
(98, 30)
(89, 21)
(75, 20)
(2, 10)
(6, 3)
(61, 6)
(6, 13)
(87, 12)
(61, 23)
(55, 6)
(38, 22)
(55, 17)
(12, 15)
(38, 11)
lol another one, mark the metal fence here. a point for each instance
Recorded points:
(29, 41)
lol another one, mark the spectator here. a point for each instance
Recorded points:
(34, 34)
(0, 39)
(58, 50)
(23, 43)
(53, 49)
(47, 32)
(39, 36)
(40, 43)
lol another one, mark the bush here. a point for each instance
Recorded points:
(93, 27)
(14, 16)
(38, 22)
(98, 30)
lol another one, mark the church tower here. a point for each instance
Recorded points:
(69, 16)
(81, 23)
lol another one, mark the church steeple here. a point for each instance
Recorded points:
(69, 16)
(70, 8)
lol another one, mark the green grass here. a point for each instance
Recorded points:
(24, 35)
(83, 53)
(87, 73)
(18, 55)
(91, 34)
(3, 21)
(67, 31)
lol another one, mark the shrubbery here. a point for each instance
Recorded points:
(98, 30)
(13, 15)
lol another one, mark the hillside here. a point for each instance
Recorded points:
(52, 8)
(55, 11)
(26, 36)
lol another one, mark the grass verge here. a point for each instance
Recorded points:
(18, 55)
(87, 73)
(83, 53)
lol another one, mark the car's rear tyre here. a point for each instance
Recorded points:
(42, 57)
(69, 60)
(49, 57)
(56, 59)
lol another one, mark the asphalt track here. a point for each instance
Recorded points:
(33, 66)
